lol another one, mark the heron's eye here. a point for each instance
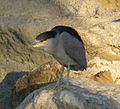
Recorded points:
(41, 40)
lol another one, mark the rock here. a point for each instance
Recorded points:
(97, 65)
(83, 93)
(96, 21)
(103, 36)
(6, 87)
(104, 51)
(89, 7)
(19, 26)
(110, 3)
(103, 77)
(36, 79)
(48, 72)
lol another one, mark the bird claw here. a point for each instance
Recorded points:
(65, 87)
(54, 87)
(57, 85)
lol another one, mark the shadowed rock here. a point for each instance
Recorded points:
(80, 95)
(6, 87)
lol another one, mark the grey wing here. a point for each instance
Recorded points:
(75, 49)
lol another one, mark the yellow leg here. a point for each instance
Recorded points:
(68, 71)
(67, 83)
(59, 79)
(60, 76)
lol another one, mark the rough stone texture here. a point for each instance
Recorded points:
(110, 3)
(102, 64)
(6, 87)
(89, 8)
(82, 94)
(49, 73)
(97, 22)
(42, 76)
(21, 21)
(103, 77)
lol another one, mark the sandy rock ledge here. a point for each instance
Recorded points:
(82, 94)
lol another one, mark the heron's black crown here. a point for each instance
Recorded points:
(46, 35)
(58, 29)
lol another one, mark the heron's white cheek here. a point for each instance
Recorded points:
(38, 45)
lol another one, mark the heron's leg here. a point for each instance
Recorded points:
(68, 71)
(60, 76)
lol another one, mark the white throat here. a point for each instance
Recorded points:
(50, 45)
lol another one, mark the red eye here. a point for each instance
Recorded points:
(41, 40)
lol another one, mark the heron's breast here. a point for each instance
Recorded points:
(62, 56)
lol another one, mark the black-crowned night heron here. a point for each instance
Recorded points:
(65, 45)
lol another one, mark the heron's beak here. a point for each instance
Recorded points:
(33, 44)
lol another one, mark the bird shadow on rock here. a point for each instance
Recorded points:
(6, 87)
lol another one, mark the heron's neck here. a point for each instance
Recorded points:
(51, 46)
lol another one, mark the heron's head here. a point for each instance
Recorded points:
(43, 39)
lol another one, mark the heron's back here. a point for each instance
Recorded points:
(63, 58)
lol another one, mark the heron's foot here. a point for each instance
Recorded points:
(66, 86)
(55, 86)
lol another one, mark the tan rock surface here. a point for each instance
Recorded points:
(82, 94)
(19, 26)
(103, 77)
(96, 21)
(49, 73)
(110, 3)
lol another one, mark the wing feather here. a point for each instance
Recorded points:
(75, 49)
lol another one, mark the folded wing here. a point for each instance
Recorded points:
(75, 49)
